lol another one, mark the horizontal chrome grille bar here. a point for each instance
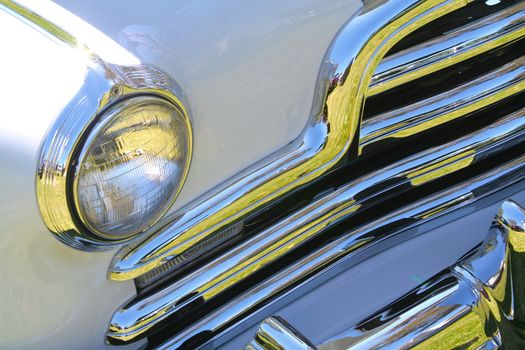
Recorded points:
(350, 248)
(275, 333)
(436, 110)
(459, 45)
(139, 317)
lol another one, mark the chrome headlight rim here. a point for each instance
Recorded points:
(57, 164)
(110, 114)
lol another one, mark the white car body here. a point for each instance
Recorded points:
(351, 174)
(248, 70)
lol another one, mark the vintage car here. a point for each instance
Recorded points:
(279, 174)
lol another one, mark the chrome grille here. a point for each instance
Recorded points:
(438, 132)
(443, 105)
(459, 44)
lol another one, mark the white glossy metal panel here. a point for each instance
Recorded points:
(248, 69)
(51, 296)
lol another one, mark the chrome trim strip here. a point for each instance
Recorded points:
(335, 118)
(439, 109)
(275, 333)
(463, 306)
(138, 317)
(458, 45)
(104, 84)
(351, 248)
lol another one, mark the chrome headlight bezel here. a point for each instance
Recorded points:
(62, 147)
(180, 141)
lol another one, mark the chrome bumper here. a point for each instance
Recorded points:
(475, 304)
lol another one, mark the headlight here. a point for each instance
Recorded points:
(131, 167)
(116, 157)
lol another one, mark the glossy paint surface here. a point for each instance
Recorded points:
(51, 295)
(249, 72)
(248, 69)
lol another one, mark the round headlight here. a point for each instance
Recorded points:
(131, 167)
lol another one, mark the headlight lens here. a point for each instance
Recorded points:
(131, 167)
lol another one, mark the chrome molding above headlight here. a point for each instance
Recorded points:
(106, 88)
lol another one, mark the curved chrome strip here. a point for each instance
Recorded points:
(343, 83)
(439, 109)
(104, 84)
(275, 333)
(459, 45)
(348, 248)
(137, 318)
(467, 305)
